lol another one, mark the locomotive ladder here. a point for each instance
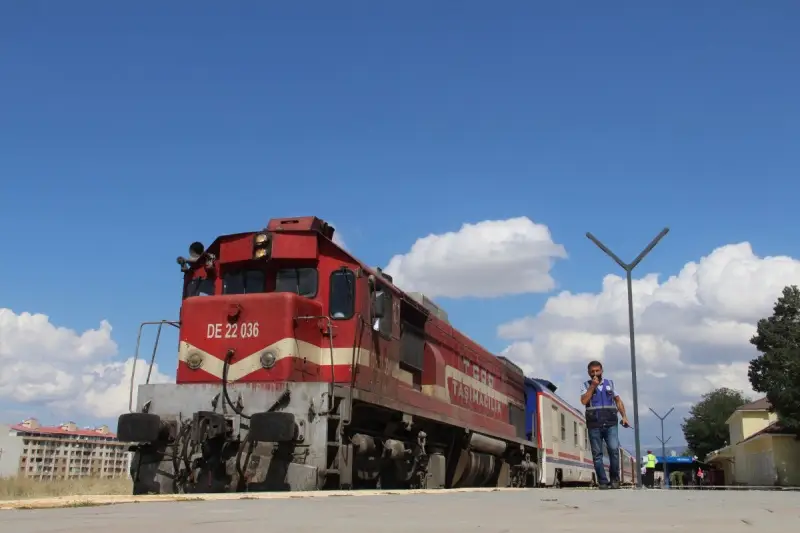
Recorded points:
(337, 458)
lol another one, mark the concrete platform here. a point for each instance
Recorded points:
(545, 510)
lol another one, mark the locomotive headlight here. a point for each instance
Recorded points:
(268, 359)
(262, 244)
(194, 360)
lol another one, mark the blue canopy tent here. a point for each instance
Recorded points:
(677, 463)
(675, 460)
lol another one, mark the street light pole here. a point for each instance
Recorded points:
(663, 443)
(628, 268)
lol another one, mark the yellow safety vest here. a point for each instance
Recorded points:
(651, 461)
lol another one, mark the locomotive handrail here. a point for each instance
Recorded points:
(355, 357)
(160, 324)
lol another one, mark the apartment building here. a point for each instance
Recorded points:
(62, 452)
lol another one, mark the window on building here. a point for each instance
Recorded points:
(575, 432)
(563, 427)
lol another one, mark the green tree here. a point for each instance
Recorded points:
(705, 429)
(776, 372)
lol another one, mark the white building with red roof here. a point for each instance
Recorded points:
(61, 452)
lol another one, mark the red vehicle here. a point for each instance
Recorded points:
(300, 368)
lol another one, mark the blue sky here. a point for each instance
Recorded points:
(130, 131)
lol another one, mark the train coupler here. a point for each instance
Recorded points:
(208, 425)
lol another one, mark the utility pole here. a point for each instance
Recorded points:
(628, 268)
(663, 443)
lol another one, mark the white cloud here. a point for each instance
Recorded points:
(692, 330)
(488, 259)
(45, 365)
(107, 386)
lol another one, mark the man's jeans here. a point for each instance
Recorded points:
(596, 438)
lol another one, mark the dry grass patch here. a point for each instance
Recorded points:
(18, 488)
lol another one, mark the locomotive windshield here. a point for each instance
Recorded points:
(302, 281)
(243, 282)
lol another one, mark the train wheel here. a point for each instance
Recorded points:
(537, 476)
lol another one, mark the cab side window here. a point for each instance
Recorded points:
(341, 300)
(384, 325)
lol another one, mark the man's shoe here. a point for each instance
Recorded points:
(602, 486)
(615, 484)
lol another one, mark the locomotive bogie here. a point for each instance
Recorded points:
(205, 445)
(187, 441)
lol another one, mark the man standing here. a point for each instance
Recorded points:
(650, 473)
(602, 405)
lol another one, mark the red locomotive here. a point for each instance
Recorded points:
(300, 368)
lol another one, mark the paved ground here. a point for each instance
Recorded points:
(539, 510)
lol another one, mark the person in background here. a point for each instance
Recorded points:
(650, 464)
(603, 406)
(701, 476)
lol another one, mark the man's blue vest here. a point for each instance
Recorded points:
(602, 410)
